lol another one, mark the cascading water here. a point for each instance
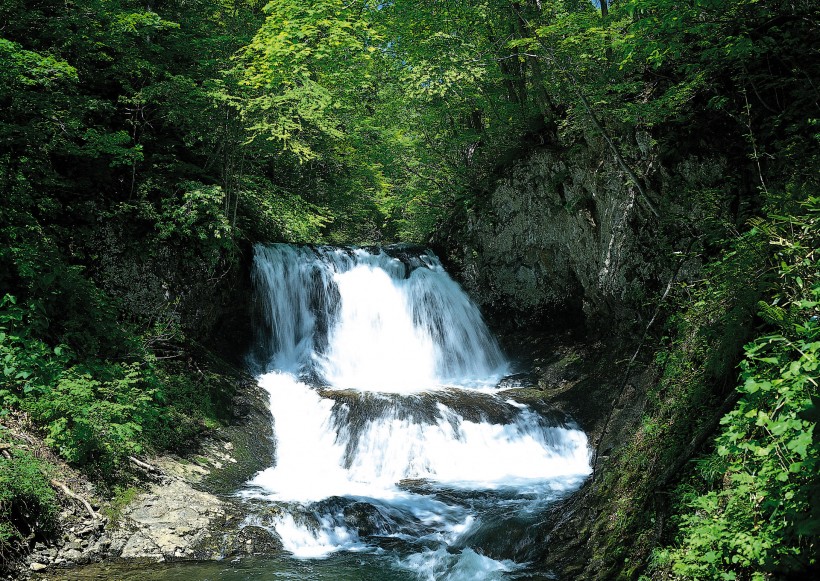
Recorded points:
(392, 440)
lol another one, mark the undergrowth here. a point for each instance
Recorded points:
(28, 504)
(751, 507)
(693, 364)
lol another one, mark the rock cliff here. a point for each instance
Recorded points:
(563, 234)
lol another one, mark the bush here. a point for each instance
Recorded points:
(28, 505)
(762, 514)
(96, 413)
(91, 412)
(753, 507)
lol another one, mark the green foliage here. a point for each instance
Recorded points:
(702, 342)
(28, 504)
(122, 497)
(142, 147)
(142, 22)
(758, 513)
(28, 363)
(293, 67)
(96, 414)
(199, 214)
(115, 147)
(189, 401)
(125, 194)
(751, 509)
(92, 413)
(285, 214)
(25, 68)
(763, 515)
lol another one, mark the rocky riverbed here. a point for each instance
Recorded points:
(182, 510)
(185, 509)
(170, 520)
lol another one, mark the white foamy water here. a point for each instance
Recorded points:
(388, 432)
(369, 321)
(374, 319)
(440, 565)
(311, 542)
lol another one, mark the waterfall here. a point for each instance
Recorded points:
(380, 321)
(391, 434)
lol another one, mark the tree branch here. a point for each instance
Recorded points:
(71, 494)
(145, 465)
(576, 85)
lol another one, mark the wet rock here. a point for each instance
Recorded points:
(38, 567)
(355, 410)
(413, 256)
(74, 555)
(139, 546)
(366, 519)
(518, 380)
(255, 540)
(403, 545)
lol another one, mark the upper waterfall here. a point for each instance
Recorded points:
(381, 320)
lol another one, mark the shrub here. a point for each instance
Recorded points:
(95, 413)
(91, 412)
(753, 507)
(28, 505)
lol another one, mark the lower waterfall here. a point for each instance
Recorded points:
(392, 439)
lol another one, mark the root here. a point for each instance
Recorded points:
(71, 494)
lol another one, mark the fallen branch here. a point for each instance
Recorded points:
(144, 465)
(71, 494)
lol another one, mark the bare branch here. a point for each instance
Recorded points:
(71, 494)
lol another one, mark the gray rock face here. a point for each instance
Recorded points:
(183, 514)
(171, 521)
(566, 232)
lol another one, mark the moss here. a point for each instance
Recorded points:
(252, 452)
(123, 496)
(695, 362)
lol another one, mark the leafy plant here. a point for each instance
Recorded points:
(760, 512)
(96, 414)
(122, 497)
(28, 504)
